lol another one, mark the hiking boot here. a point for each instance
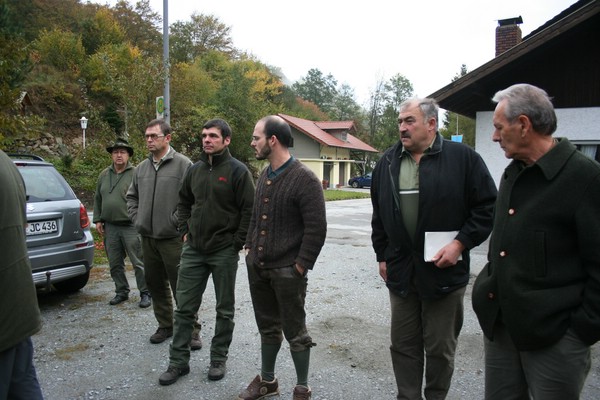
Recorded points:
(302, 393)
(161, 335)
(217, 370)
(118, 299)
(145, 300)
(259, 389)
(195, 341)
(171, 375)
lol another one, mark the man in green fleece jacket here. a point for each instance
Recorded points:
(215, 205)
(112, 221)
(152, 206)
(19, 315)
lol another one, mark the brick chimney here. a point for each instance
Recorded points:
(508, 34)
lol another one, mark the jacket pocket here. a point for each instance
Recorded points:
(539, 253)
(485, 300)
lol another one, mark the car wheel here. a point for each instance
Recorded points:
(354, 184)
(73, 284)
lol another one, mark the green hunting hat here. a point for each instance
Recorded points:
(120, 143)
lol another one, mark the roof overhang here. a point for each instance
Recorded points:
(563, 58)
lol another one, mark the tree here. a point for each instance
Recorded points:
(377, 101)
(14, 66)
(385, 106)
(399, 89)
(101, 29)
(456, 124)
(60, 49)
(29, 17)
(123, 83)
(344, 105)
(318, 89)
(140, 25)
(196, 37)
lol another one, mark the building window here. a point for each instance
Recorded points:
(592, 150)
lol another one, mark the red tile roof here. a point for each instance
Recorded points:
(317, 131)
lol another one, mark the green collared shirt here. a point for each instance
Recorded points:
(408, 184)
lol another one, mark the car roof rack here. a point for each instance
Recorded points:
(25, 155)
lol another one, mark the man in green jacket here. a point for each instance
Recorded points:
(112, 221)
(214, 210)
(538, 298)
(152, 206)
(19, 314)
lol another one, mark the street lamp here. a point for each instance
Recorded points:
(83, 122)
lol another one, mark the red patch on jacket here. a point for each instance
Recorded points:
(222, 179)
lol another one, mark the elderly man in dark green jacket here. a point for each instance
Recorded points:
(538, 298)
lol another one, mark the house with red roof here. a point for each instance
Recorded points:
(328, 148)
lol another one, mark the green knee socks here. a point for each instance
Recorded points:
(301, 362)
(269, 357)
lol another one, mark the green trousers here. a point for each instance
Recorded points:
(194, 272)
(121, 241)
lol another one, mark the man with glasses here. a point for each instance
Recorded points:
(112, 222)
(152, 205)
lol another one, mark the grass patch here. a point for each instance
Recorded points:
(68, 352)
(99, 252)
(332, 195)
(100, 272)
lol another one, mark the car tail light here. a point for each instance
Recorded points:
(84, 220)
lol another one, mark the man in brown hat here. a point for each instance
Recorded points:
(112, 221)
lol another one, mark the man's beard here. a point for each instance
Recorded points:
(264, 153)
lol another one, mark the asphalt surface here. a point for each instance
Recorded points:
(90, 350)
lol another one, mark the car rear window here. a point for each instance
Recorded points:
(44, 183)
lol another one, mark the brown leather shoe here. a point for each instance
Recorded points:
(118, 299)
(259, 389)
(161, 335)
(195, 342)
(302, 393)
(217, 370)
(171, 375)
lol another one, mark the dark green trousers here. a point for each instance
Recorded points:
(194, 272)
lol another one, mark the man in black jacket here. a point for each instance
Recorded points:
(427, 187)
(214, 210)
(538, 298)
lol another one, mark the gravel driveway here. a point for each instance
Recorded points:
(90, 350)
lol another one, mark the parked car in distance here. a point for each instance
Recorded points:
(360, 181)
(59, 241)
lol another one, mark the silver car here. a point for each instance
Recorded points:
(59, 240)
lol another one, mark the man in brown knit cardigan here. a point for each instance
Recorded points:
(286, 234)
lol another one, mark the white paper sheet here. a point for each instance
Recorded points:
(434, 241)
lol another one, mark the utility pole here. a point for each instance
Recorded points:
(166, 61)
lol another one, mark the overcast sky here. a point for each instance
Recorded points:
(360, 43)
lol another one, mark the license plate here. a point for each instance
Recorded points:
(41, 228)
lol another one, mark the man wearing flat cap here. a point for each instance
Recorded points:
(112, 221)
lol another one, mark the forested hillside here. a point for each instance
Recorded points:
(61, 60)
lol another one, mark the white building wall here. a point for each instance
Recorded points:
(576, 124)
